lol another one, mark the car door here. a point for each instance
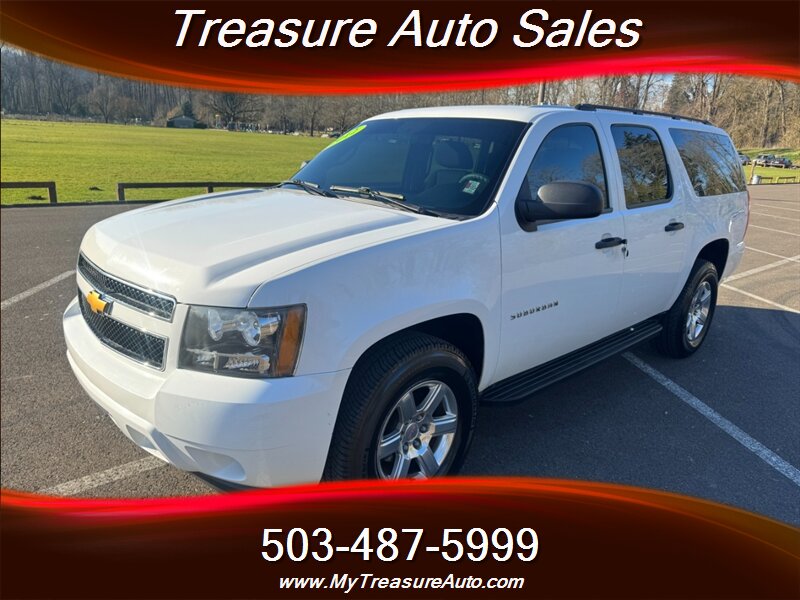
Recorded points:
(655, 224)
(560, 292)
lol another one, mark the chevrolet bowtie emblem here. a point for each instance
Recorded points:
(97, 304)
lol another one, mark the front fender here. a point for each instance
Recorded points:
(357, 299)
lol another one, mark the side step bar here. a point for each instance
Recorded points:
(518, 387)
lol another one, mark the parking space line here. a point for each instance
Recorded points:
(788, 200)
(769, 253)
(37, 288)
(775, 207)
(758, 202)
(761, 269)
(760, 299)
(782, 218)
(775, 230)
(768, 456)
(76, 486)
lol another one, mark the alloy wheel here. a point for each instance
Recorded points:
(418, 433)
(699, 310)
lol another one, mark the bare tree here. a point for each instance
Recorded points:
(310, 108)
(64, 87)
(340, 113)
(103, 100)
(280, 111)
(783, 108)
(234, 108)
(767, 92)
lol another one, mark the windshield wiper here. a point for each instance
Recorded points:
(311, 188)
(397, 200)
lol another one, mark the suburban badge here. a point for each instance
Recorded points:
(534, 309)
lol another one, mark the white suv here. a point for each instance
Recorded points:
(346, 323)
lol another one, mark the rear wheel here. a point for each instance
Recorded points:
(408, 411)
(687, 323)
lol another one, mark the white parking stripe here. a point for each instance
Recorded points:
(768, 456)
(76, 486)
(775, 207)
(761, 269)
(785, 201)
(760, 299)
(769, 253)
(37, 288)
(775, 230)
(782, 218)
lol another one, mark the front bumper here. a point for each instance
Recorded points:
(249, 432)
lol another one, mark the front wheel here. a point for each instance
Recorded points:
(408, 411)
(417, 437)
(687, 323)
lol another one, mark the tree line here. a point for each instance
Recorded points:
(757, 112)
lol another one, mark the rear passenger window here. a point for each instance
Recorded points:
(710, 160)
(568, 153)
(645, 176)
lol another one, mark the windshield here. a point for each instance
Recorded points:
(449, 166)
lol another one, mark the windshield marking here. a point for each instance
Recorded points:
(347, 135)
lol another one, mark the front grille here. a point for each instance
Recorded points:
(138, 345)
(152, 303)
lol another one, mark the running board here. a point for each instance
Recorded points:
(518, 387)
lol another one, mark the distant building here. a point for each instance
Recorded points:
(181, 122)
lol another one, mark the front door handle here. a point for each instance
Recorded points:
(673, 227)
(610, 242)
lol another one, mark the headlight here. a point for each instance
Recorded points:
(252, 342)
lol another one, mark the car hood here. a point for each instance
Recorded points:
(217, 249)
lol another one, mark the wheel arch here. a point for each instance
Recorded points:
(382, 371)
(464, 330)
(716, 252)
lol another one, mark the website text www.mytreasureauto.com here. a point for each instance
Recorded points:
(367, 581)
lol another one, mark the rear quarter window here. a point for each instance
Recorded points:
(710, 160)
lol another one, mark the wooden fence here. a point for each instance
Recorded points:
(208, 185)
(23, 185)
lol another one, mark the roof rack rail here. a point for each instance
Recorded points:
(637, 111)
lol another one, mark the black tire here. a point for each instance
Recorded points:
(378, 382)
(674, 340)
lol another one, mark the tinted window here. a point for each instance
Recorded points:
(448, 165)
(710, 160)
(644, 167)
(568, 153)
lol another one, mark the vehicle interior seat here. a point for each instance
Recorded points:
(451, 161)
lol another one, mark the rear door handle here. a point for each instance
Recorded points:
(610, 242)
(673, 226)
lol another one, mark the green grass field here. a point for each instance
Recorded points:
(78, 156)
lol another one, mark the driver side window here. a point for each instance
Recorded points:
(568, 153)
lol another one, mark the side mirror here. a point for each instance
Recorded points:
(562, 200)
(303, 164)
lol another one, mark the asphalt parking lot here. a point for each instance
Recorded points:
(723, 425)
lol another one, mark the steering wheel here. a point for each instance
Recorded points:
(483, 179)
